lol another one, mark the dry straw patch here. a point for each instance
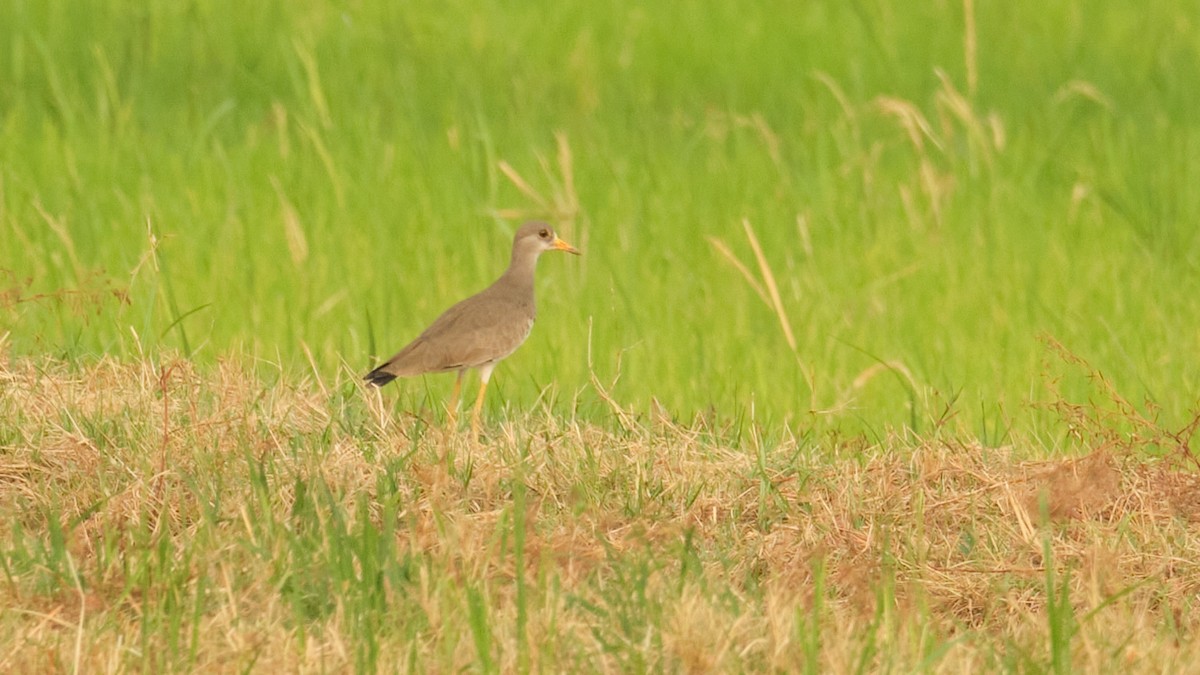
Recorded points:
(157, 516)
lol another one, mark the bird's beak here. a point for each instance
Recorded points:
(560, 245)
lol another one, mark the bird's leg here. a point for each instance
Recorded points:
(453, 410)
(485, 373)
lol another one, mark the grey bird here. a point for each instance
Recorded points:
(481, 330)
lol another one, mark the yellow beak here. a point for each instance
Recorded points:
(560, 245)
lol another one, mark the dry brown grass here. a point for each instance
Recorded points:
(211, 522)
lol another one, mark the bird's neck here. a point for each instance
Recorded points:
(519, 275)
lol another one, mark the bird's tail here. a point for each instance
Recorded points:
(379, 376)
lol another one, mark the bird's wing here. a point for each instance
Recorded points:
(475, 331)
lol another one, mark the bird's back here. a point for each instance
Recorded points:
(484, 328)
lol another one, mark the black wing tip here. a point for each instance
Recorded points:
(378, 377)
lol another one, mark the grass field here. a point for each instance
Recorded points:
(881, 353)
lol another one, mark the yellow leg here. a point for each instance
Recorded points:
(453, 410)
(485, 373)
(478, 407)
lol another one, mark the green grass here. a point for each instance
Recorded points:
(284, 180)
(852, 272)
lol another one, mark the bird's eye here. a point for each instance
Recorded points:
(544, 234)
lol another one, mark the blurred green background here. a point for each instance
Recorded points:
(934, 188)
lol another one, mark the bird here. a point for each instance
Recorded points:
(482, 330)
